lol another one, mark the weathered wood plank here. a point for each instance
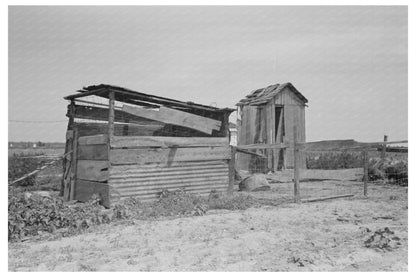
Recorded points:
(93, 152)
(92, 170)
(263, 146)
(97, 139)
(171, 116)
(150, 141)
(74, 172)
(231, 171)
(97, 113)
(85, 189)
(168, 155)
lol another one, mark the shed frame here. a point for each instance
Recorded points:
(148, 145)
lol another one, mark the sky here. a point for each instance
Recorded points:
(349, 61)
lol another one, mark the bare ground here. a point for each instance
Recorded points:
(319, 236)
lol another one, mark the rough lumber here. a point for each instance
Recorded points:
(168, 155)
(327, 198)
(249, 152)
(263, 146)
(231, 171)
(153, 141)
(93, 152)
(74, 165)
(97, 113)
(84, 190)
(171, 116)
(92, 170)
(96, 139)
(296, 166)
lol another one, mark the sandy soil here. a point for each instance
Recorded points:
(319, 236)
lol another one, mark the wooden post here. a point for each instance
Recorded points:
(74, 165)
(383, 148)
(231, 171)
(296, 166)
(365, 177)
(110, 116)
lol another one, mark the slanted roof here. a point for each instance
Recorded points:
(264, 95)
(138, 98)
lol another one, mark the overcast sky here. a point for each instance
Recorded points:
(350, 62)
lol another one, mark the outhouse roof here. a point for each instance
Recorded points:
(264, 95)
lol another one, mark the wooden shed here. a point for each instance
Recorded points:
(124, 143)
(268, 116)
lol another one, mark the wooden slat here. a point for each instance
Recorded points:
(171, 116)
(150, 141)
(85, 189)
(97, 113)
(92, 170)
(168, 155)
(93, 152)
(96, 139)
(263, 146)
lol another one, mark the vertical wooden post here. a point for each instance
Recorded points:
(296, 166)
(110, 116)
(365, 177)
(383, 148)
(74, 165)
(231, 171)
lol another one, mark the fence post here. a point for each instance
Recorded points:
(383, 148)
(296, 166)
(231, 171)
(365, 177)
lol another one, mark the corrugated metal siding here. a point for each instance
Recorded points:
(148, 181)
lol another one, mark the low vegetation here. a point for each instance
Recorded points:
(31, 214)
(334, 160)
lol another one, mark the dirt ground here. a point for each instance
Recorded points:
(318, 236)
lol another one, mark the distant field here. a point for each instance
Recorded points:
(37, 151)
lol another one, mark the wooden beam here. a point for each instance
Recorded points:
(365, 177)
(168, 155)
(263, 146)
(74, 166)
(154, 141)
(231, 171)
(110, 116)
(327, 198)
(98, 92)
(383, 148)
(296, 166)
(171, 116)
(249, 152)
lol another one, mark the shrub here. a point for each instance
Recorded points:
(19, 166)
(334, 160)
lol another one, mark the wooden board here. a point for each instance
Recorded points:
(96, 139)
(85, 189)
(92, 170)
(150, 141)
(93, 152)
(96, 113)
(168, 155)
(171, 116)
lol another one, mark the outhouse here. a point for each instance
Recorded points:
(269, 116)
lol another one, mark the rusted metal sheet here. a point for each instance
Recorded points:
(148, 181)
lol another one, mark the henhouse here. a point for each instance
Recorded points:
(269, 116)
(125, 143)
